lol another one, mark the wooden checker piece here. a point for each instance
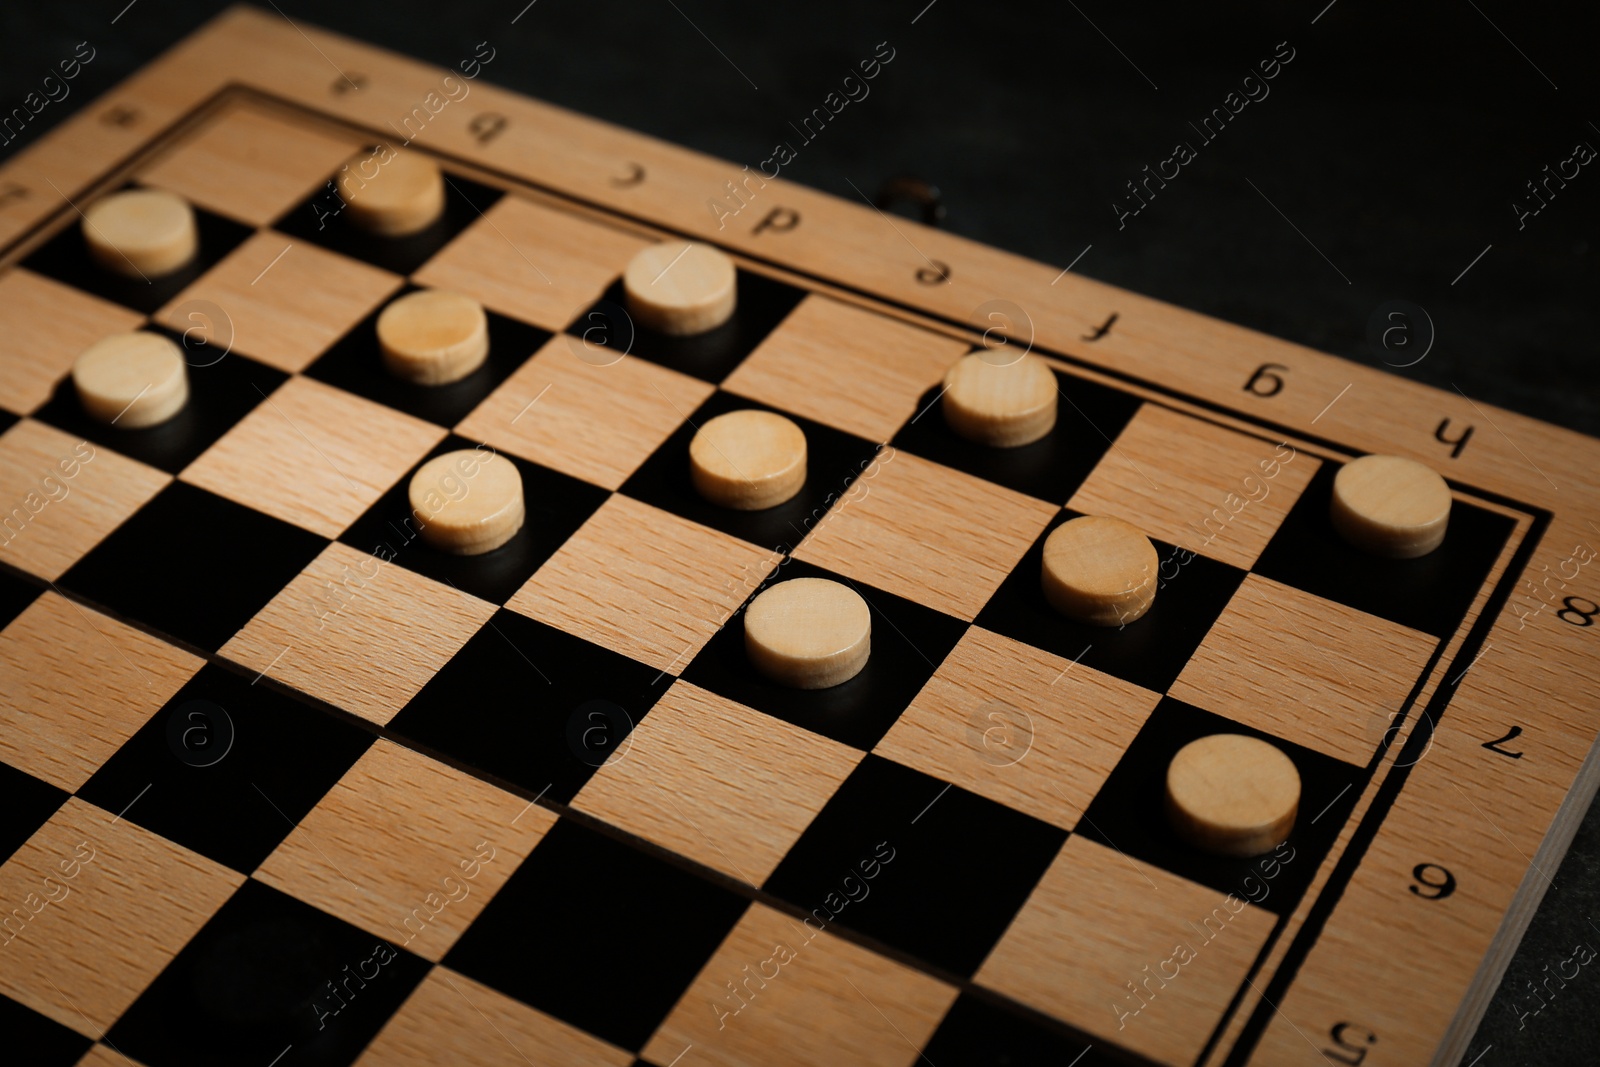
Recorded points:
(141, 233)
(133, 380)
(467, 502)
(1099, 570)
(808, 633)
(1228, 429)
(748, 460)
(433, 337)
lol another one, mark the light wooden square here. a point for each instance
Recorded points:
(717, 782)
(115, 904)
(62, 494)
(808, 998)
(406, 848)
(450, 1019)
(847, 367)
(532, 262)
(1305, 669)
(1080, 947)
(284, 301)
(359, 632)
(313, 455)
(76, 685)
(598, 423)
(106, 1056)
(1196, 485)
(1007, 721)
(644, 582)
(250, 165)
(928, 533)
(44, 325)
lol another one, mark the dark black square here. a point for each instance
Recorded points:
(355, 364)
(231, 784)
(15, 594)
(834, 460)
(1151, 652)
(7, 420)
(909, 641)
(37, 1040)
(940, 872)
(1127, 813)
(534, 705)
(1430, 594)
(979, 1033)
(221, 392)
(557, 504)
(269, 976)
(1089, 418)
(709, 356)
(580, 903)
(318, 219)
(26, 803)
(65, 258)
(193, 564)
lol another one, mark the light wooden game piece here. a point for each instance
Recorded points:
(681, 289)
(404, 197)
(469, 502)
(433, 337)
(1390, 506)
(1003, 405)
(1232, 795)
(748, 460)
(1099, 570)
(808, 633)
(141, 233)
(131, 380)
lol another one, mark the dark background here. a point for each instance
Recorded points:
(1396, 141)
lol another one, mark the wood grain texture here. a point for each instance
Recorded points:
(927, 532)
(831, 1002)
(358, 632)
(119, 903)
(451, 1019)
(61, 495)
(43, 327)
(282, 311)
(406, 848)
(718, 782)
(76, 685)
(1017, 725)
(313, 455)
(1080, 948)
(644, 582)
(1305, 669)
(105, 1056)
(845, 367)
(595, 421)
(1196, 485)
(524, 260)
(249, 164)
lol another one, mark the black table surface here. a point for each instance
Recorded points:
(1385, 161)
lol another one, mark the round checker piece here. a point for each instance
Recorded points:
(1390, 506)
(1099, 570)
(1232, 795)
(141, 233)
(469, 502)
(1003, 405)
(680, 289)
(131, 380)
(748, 460)
(433, 337)
(406, 196)
(808, 633)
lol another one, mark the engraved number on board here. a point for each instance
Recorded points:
(347, 83)
(634, 176)
(1101, 330)
(1571, 613)
(486, 126)
(12, 191)
(1432, 886)
(935, 273)
(1264, 382)
(120, 115)
(1459, 441)
(1346, 1036)
(1494, 746)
